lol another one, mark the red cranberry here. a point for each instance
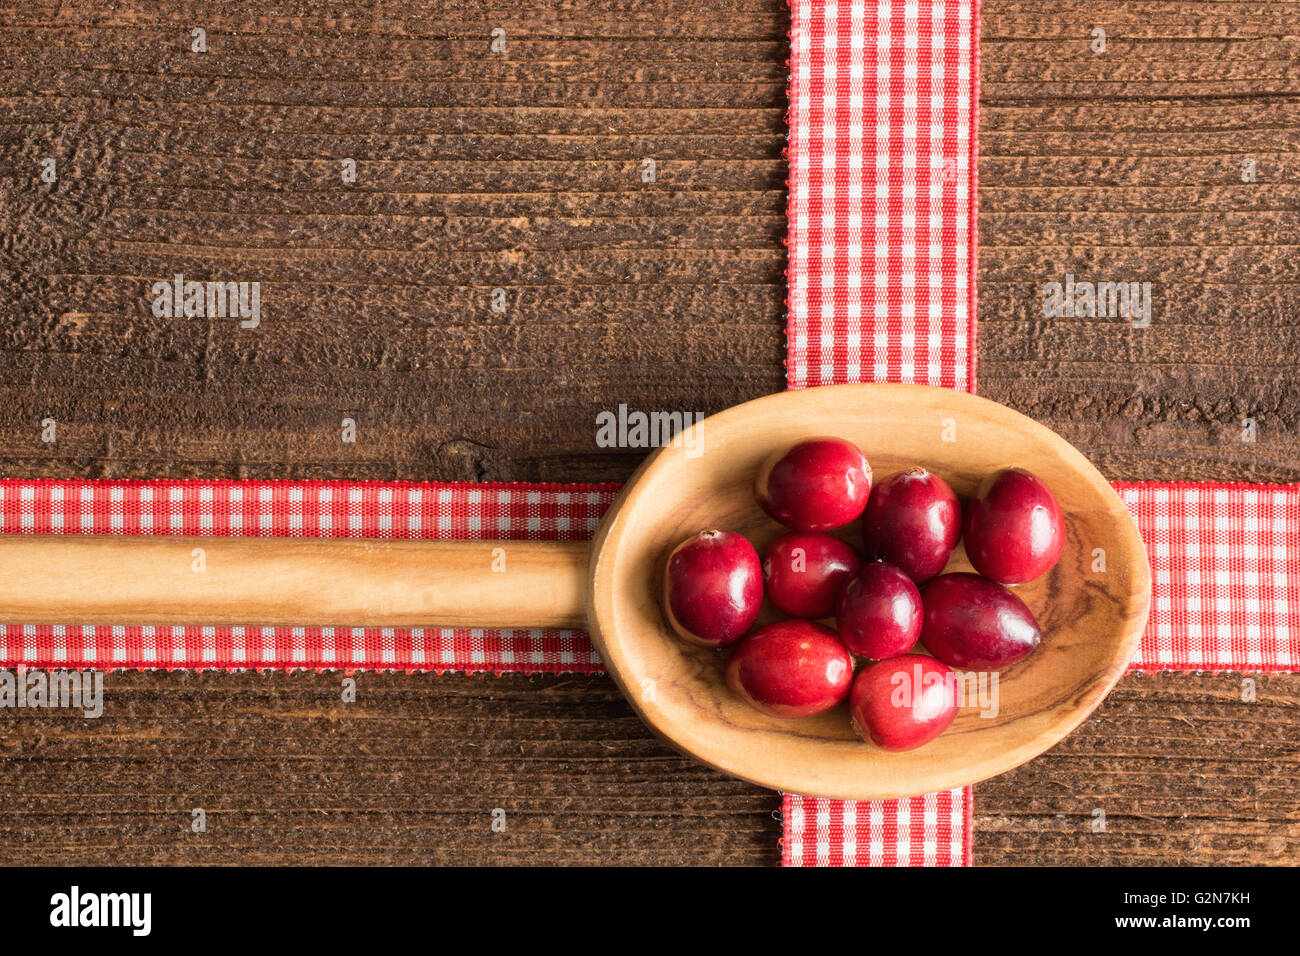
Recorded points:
(913, 521)
(976, 624)
(904, 702)
(1014, 529)
(879, 612)
(817, 485)
(803, 572)
(713, 588)
(791, 669)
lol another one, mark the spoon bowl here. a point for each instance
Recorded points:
(1092, 606)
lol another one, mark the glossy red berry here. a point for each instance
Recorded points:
(1014, 528)
(803, 572)
(904, 702)
(816, 485)
(913, 521)
(973, 623)
(879, 612)
(791, 669)
(713, 588)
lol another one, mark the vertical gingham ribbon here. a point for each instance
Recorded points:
(882, 215)
(882, 209)
(882, 193)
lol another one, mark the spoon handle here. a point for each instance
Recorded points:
(166, 580)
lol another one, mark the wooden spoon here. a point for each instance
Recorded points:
(1092, 607)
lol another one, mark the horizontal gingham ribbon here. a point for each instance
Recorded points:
(1225, 573)
(314, 509)
(1225, 560)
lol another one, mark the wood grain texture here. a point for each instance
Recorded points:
(1184, 770)
(1127, 166)
(475, 171)
(408, 774)
(522, 172)
(291, 582)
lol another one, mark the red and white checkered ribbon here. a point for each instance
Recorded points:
(882, 204)
(882, 209)
(882, 217)
(311, 510)
(929, 830)
(1225, 559)
(1225, 572)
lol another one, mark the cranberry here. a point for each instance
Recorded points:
(972, 622)
(817, 485)
(791, 669)
(1014, 529)
(879, 612)
(904, 702)
(713, 588)
(913, 521)
(803, 572)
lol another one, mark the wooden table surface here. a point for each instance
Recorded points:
(522, 171)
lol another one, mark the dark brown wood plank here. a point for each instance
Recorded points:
(1127, 166)
(411, 772)
(475, 171)
(1184, 770)
(1171, 769)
